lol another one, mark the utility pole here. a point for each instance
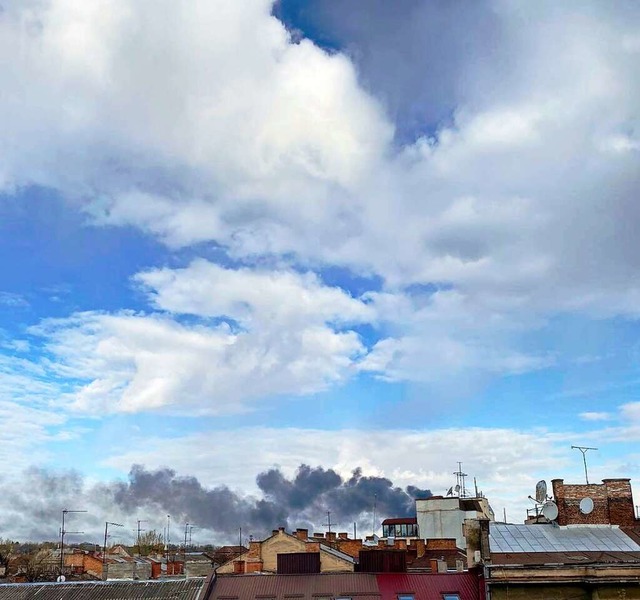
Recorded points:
(65, 512)
(584, 450)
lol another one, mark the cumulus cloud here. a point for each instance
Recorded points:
(516, 207)
(272, 333)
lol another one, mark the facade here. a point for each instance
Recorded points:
(611, 503)
(442, 517)
(263, 556)
(400, 528)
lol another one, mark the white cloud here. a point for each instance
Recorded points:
(595, 416)
(293, 338)
(207, 124)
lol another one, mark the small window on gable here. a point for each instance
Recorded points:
(406, 597)
(450, 596)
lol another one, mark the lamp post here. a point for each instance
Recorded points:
(65, 512)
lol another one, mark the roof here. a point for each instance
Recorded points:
(300, 587)
(185, 589)
(363, 586)
(564, 558)
(337, 553)
(427, 586)
(505, 538)
(401, 521)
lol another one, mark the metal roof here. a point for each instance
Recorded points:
(427, 586)
(298, 587)
(362, 586)
(183, 589)
(401, 521)
(564, 558)
(509, 538)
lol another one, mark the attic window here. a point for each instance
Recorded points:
(450, 596)
(406, 597)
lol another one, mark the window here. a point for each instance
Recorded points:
(406, 597)
(450, 596)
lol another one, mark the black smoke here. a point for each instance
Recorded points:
(300, 501)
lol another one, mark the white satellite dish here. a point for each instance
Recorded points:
(586, 506)
(541, 491)
(550, 510)
(61, 579)
(457, 489)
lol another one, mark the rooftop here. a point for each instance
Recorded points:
(510, 538)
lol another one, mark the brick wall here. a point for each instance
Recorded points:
(612, 502)
(441, 544)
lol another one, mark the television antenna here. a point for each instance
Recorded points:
(139, 530)
(584, 450)
(460, 487)
(63, 532)
(106, 535)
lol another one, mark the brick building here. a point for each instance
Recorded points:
(612, 503)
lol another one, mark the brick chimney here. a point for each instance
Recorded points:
(331, 536)
(612, 502)
(343, 535)
(302, 534)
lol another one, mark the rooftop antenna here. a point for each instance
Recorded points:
(460, 481)
(584, 450)
(139, 531)
(104, 548)
(375, 502)
(65, 512)
(328, 523)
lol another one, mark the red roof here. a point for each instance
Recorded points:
(362, 586)
(431, 586)
(400, 521)
(304, 586)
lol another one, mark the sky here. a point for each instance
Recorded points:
(249, 249)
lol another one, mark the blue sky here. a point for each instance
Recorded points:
(259, 225)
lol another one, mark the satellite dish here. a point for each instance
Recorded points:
(450, 491)
(550, 510)
(61, 579)
(586, 506)
(541, 491)
(457, 489)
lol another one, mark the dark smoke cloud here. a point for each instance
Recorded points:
(302, 500)
(33, 504)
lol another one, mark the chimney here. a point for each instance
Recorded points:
(302, 534)
(281, 529)
(331, 536)
(420, 548)
(433, 563)
(238, 567)
(274, 531)
(343, 535)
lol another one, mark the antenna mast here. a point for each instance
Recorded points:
(460, 481)
(584, 450)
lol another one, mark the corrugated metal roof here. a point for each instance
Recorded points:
(509, 538)
(428, 586)
(183, 589)
(307, 587)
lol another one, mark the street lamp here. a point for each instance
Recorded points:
(65, 512)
